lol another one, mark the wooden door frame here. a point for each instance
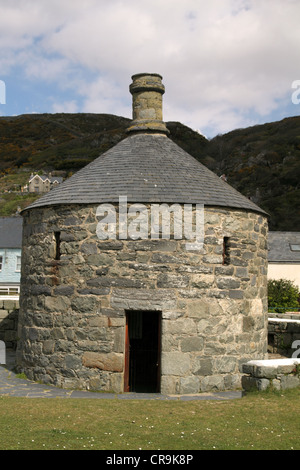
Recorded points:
(127, 348)
(159, 314)
(127, 353)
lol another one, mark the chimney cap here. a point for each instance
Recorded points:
(146, 82)
(136, 75)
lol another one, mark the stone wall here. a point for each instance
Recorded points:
(72, 309)
(277, 374)
(284, 334)
(9, 311)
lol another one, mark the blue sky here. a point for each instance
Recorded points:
(226, 64)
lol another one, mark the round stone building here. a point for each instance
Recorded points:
(144, 271)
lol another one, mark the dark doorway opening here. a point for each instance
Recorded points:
(142, 351)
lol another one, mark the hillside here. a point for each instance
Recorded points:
(58, 141)
(262, 162)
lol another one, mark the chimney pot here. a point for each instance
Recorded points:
(147, 90)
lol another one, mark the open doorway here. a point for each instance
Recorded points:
(142, 351)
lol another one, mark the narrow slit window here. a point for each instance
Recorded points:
(226, 250)
(57, 245)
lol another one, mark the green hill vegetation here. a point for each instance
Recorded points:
(262, 162)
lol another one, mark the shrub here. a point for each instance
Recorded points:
(283, 295)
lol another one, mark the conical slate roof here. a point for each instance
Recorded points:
(147, 168)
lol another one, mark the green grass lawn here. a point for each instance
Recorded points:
(258, 421)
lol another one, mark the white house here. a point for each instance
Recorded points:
(284, 256)
(10, 256)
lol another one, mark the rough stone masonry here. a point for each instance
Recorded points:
(72, 316)
(78, 292)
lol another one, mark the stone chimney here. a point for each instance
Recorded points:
(147, 90)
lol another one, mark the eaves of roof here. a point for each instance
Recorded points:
(147, 168)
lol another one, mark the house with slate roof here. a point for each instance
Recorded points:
(110, 300)
(43, 184)
(10, 256)
(284, 256)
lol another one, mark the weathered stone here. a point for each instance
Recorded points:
(189, 385)
(227, 283)
(115, 282)
(192, 344)
(289, 381)
(57, 333)
(110, 245)
(48, 346)
(224, 270)
(170, 385)
(102, 271)
(112, 362)
(98, 321)
(70, 248)
(72, 331)
(237, 260)
(213, 259)
(248, 324)
(249, 383)
(212, 383)
(202, 281)
(67, 237)
(72, 220)
(198, 309)
(57, 304)
(64, 290)
(226, 365)
(72, 362)
(178, 326)
(40, 290)
(236, 294)
(175, 363)
(89, 248)
(85, 304)
(147, 267)
(203, 366)
(195, 269)
(242, 273)
(169, 280)
(91, 291)
(101, 259)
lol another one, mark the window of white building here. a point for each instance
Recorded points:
(18, 266)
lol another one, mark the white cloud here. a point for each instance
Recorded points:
(221, 60)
